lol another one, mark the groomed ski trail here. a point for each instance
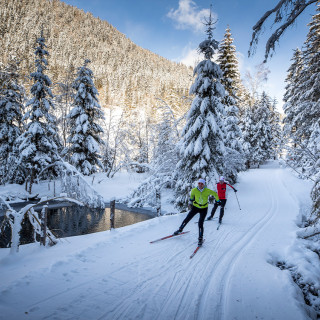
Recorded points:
(159, 281)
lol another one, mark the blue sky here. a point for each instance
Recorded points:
(173, 29)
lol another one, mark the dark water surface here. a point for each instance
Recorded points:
(73, 220)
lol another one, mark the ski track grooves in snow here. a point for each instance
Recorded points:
(211, 272)
(159, 281)
(229, 260)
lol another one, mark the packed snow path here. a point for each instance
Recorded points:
(120, 275)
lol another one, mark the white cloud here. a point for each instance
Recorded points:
(188, 16)
(190, 57)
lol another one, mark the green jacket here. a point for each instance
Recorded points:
(200, 198)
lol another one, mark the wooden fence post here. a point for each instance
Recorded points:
(43, 236)
(112, 213)
(158, 202)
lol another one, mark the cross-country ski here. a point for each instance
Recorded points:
(170, 236)
(197, 248)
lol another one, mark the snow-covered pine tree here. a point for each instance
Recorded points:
(11, 114)
(291, 98)
(202, 145)
(313, 150)
(229, 66)
(262, 135)
(291, 94)
(84, 139)
(39, 144)
(248, 136)
(228, 63)
(308, 104)
(276, 130)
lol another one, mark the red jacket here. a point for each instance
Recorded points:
(221, 188)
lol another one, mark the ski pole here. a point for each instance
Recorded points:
(237, 200)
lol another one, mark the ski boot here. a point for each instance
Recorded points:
(177, 232)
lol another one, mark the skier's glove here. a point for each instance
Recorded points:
(235, 190)
(189, 206)
(218, 202)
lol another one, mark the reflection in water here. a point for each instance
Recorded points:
(75, 220)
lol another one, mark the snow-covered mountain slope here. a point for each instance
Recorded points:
(118, 274)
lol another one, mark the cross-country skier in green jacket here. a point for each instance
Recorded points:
(198, 204)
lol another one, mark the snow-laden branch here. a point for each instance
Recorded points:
(287, 10)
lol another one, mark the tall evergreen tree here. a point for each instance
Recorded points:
(231, 81)
(262, 134)
(11, 114)
(308, 104)
(229, 66)
(202, 145)
(292, 94)
(276, 131)
(39, 144)
(84, 139)
(248, 136)
(303, 98)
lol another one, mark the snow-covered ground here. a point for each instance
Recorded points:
(118, 274)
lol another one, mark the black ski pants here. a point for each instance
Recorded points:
(194, 210)
(222, 205)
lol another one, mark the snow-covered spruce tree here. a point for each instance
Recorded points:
(291, 98)
(39, 144)
(229, 66)
(248, 136)
(276, 131)
(262, 135)
(84, 139)
(234, 159)
(11, 114)
(291, 95)
(202, 145)
(308, 104)
(313, 149)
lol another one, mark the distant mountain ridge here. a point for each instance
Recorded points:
(124, 72)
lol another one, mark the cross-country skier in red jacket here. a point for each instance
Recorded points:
(221, 188)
